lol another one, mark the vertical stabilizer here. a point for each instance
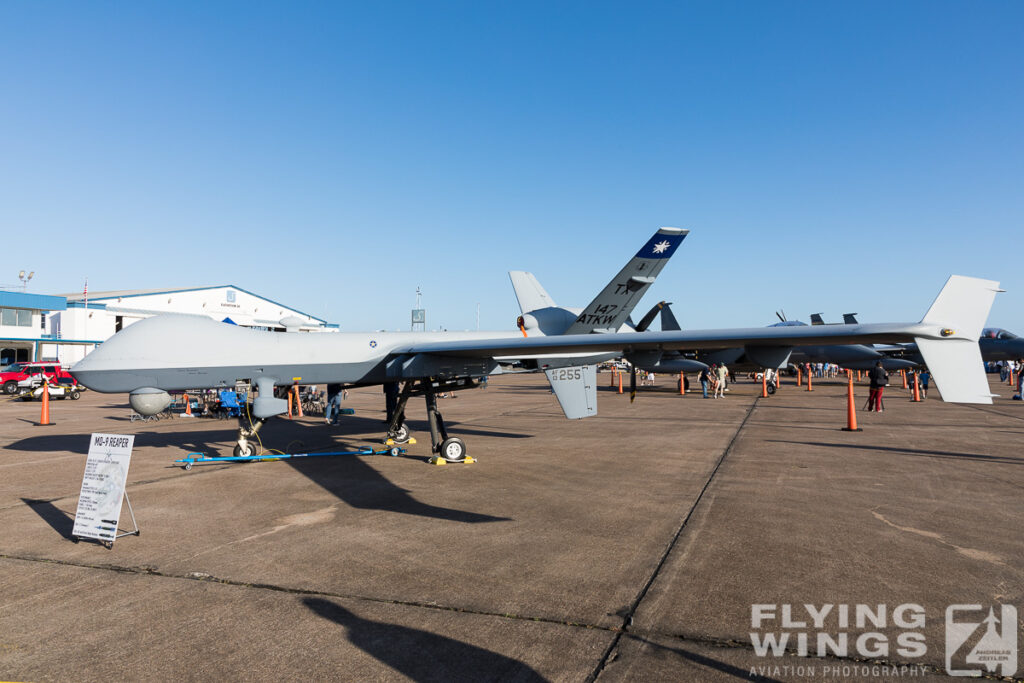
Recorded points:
(961, 309)
(612, 307)
(529, 293)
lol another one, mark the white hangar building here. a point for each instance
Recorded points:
(82, 325)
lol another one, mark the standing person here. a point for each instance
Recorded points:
(720, 374)
(724, 378)
(924, 377)
(333, 409)
(879, 379)
(704, 378)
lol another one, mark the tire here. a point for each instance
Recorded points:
(401, 434)
(453, 449)
(246, 452)
(188, 466)
(395, 451)
(75, 395)
(771, 389)
(10, 387)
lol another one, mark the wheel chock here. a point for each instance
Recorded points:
(438, 460)
(391, 442)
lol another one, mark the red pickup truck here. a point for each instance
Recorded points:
(19, 372)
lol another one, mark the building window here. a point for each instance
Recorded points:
(231, 296)
(16, 317)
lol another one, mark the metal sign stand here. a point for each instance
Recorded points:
(131, 513)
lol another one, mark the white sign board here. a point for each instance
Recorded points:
(106, 471)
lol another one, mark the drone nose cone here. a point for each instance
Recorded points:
(126, 361)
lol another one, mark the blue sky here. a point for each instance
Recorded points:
(334, 156)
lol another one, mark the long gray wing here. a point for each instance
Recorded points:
(679, 340)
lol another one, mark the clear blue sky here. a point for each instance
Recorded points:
(334, 156)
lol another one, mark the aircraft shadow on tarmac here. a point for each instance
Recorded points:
(197, 441)
(422, 655)
(910, 451)
(352, 480)
(703, 660)
(356, 424)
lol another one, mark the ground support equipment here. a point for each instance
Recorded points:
(198, 458)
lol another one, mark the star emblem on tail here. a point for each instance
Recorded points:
(661, 246)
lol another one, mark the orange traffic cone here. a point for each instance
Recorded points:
(289, 414)
(188, 406)
(851, 409)
(799, 377)
(904, 374)
(917, 390)
(764, 384)
(809, 387)
(298, 403)
(620, 382)
(44, 416)
(682, 384)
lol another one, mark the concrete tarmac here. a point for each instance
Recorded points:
(628, 546)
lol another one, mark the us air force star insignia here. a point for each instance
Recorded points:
(373, 343)
(662, 246)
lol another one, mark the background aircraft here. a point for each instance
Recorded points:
(854, 356)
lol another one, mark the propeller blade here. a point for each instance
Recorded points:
(781, 318)
(649, 318)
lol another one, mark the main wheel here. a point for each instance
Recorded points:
(75, 395)
(453, 449)
(10, 386)
(771, 389)
(248, 451)
(401, 434)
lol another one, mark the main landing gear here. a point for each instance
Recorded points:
(448, 448)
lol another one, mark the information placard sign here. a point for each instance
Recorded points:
(106, 472)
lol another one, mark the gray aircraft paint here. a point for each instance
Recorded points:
(177, 352)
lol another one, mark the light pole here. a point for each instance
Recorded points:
(25, 278)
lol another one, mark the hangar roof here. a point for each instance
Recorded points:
(120, 294)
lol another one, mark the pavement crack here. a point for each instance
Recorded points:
(973, 553)
(627, 620)
(146, 570)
